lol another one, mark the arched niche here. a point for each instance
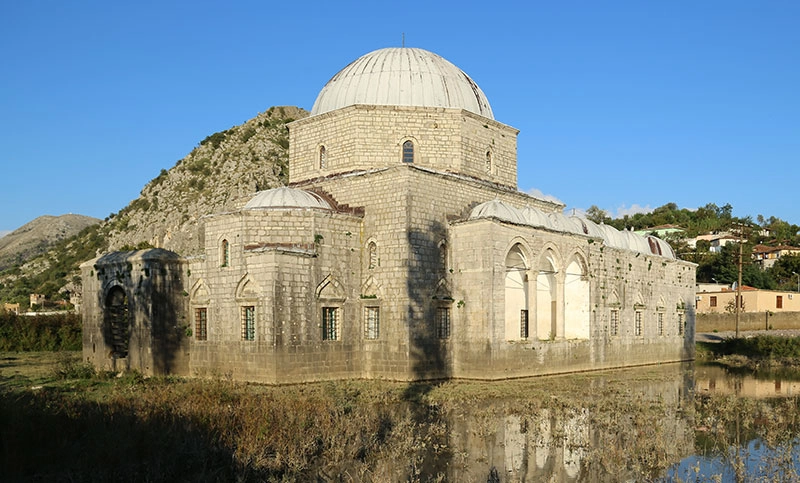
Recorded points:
(577, 313)
(546, 296)
(516, 294)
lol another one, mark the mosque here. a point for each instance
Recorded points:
(401, 249)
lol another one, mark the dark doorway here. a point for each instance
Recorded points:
(117, 322)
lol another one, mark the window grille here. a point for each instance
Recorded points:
(614, 323)
(226, 253)
(408, 152)
(637, 326)
(323, 157)
(372, 250)
(443, 322)
(712, 301)
(523, 323)
(330, 323)
(680, 323)
(371, 322)
(249, 323)
(201, 323)
(661, 323)
(488, 162)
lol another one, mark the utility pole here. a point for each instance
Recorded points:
(739, 302)
(739, 287)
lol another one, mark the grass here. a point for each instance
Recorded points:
(62, 420)
(759, 352)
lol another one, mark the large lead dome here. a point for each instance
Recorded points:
(402, 77)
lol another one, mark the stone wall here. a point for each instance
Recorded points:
(643, 283)
(748, 321)
(146, 291)
(368, 137)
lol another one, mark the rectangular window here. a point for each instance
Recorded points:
(661, 323)
(614, 323)
(443, 322)
(201, 323)
(371, 322)
(712, 301)
(249, 323)
(523, 324)
(680, 323)
(779, 301)
(330, 323)
(637, 323)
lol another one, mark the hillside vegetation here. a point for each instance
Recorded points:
(224, 169)
(721, 266)
(38, 236)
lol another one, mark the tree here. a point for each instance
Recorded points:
(597, 215)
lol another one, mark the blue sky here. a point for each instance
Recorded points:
(624, 105)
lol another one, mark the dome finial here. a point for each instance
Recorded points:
(404, 40)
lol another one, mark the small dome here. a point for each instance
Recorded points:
(497, 209)
(636, 242)
(660, 247)
(285, 197)
(402, 77)
(535, 217)
(589, 227)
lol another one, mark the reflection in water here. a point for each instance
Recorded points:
(747, 427)
(619, 425)
(645, 424)
(718, 380)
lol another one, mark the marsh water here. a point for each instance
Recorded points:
(679, 422)
(671, 422)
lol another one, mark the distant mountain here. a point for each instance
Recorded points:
(222, 171)
(36, 237)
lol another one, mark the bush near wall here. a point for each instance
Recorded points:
(40, 333)
(748, 321)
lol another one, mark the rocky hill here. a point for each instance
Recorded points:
(223, 168)
(38, 236)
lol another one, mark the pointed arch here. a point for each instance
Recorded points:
(200, 293)
(639, 301)
(444, 263)
(613, 298)
(370, 289)
(330, 288)
(372, 254)
(546, 295)
(225, 253)
(247, 288)
(577, 313)
(516, 293)
(442, 291)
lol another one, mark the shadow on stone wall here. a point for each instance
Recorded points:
(429, 357)
(429, 360)
(142, 308)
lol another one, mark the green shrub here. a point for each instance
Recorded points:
(61, 332)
